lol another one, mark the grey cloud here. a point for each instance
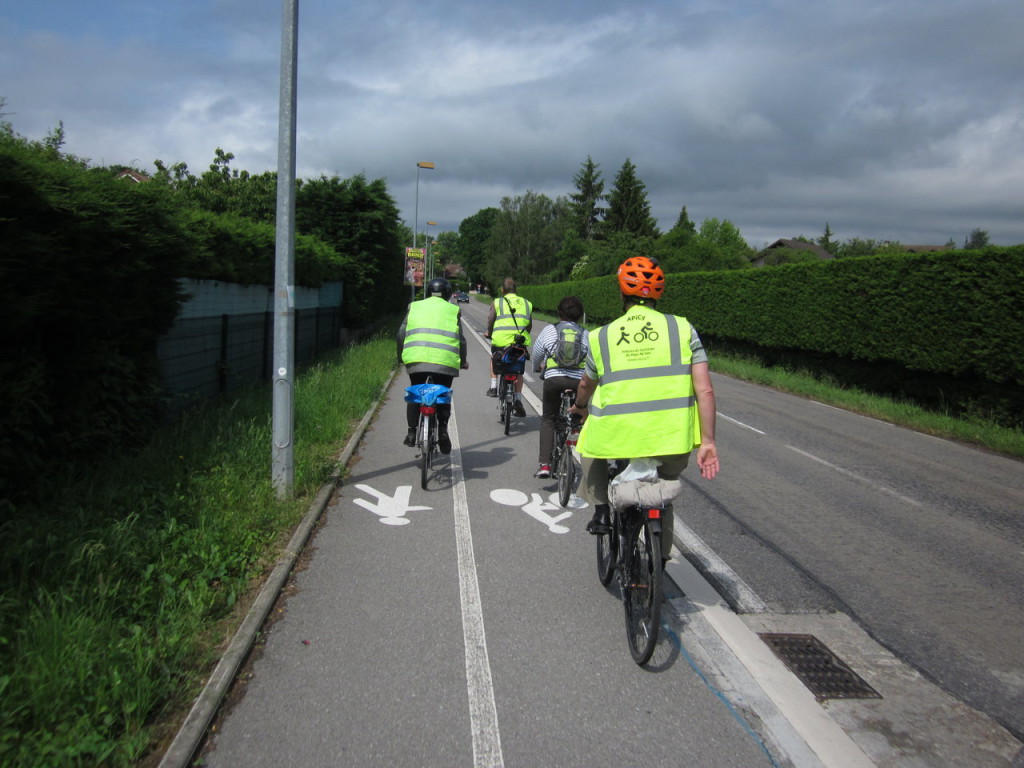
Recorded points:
(889, 120)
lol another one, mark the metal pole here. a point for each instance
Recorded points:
(416, 219)
(283, 463)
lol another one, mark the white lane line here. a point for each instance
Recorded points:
(747, 600)
(739, 423)
(483, 712)
(858, 478)
(528, 395)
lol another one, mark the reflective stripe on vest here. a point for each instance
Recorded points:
(507, 323)
(644, 404)
(432, 333)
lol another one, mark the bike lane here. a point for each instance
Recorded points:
(463, 625)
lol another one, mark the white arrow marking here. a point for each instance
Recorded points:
(391, 509)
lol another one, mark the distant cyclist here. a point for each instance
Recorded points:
(560, 351)
(646, 392)
(431, 343)
(510, 316)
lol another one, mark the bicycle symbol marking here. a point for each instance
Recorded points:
(390, 509)
(535, 506)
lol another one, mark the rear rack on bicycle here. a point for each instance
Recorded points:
(428, 394)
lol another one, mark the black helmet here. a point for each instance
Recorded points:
(439, 287)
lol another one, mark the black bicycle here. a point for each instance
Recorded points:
(567, 432)
(429, 396)
(633, 548)
(509, 363)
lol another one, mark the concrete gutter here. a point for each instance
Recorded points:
(193, 730)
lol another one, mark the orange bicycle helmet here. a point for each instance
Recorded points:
(641, 277)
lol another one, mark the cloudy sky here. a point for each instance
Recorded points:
(888, 119)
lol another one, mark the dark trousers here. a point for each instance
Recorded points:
(552, 400)
(444, 410)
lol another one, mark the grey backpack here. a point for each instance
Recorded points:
(569, 350)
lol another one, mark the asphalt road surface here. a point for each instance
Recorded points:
(464, 624)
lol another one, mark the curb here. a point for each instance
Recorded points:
(193, 730)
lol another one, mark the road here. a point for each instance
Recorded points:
(464, 625)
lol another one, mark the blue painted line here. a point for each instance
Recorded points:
(721, 696)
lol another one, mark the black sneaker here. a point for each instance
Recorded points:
(410, 438)
(444, 443)
(599, 524)
(518, 409)
(492, 392)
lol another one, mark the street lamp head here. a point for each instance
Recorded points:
(425, 165)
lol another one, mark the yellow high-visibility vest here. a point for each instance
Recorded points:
(644, 404)
(432, 333)
(511, 316)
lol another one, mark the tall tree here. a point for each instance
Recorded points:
(978, 239)
(471, 247)
(585, 204)
(525, 239)
(826, 241)
(359, 219)
(628, 207)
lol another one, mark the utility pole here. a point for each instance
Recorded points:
(283, 463)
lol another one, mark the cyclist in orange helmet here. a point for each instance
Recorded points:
(646, 393)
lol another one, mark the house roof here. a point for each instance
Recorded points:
(926, 248)
(798, 245)
(137, 176)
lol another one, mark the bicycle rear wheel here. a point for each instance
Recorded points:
(566, 469)
(641, 588)
(608, 551)
(427, 445)
(509, 405)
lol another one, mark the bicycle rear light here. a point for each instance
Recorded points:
(427, 409)
(654, 514)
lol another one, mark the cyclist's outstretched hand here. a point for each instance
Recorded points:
(707, 460)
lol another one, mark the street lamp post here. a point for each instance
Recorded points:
(430, 255)
(416, 219)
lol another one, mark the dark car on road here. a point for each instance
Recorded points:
(461, 296)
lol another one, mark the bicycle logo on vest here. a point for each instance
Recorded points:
(647, 333)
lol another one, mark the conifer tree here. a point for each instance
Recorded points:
(586, 203)
(628, 208)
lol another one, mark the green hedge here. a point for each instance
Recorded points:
(943, 313)
(87, 283)
(235, 249)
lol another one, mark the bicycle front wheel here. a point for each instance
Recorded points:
(427, 444)
(641, 589)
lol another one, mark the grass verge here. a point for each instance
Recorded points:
(114, 588)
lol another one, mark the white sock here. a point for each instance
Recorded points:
(494, 383)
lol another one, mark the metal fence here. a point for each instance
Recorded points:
(205, 355)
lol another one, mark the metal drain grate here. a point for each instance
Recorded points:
(824, 673)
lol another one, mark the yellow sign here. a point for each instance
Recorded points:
(414, 267)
